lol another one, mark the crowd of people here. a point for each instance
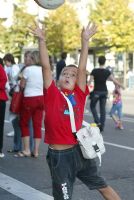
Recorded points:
(42, 98)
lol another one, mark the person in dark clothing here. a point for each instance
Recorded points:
(100, 76)
(60, 65)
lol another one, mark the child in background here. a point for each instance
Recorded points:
(116, 110)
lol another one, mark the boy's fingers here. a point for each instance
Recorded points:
(43, 27)
(36, 24)
(89, 24)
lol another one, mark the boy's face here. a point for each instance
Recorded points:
(68, 78)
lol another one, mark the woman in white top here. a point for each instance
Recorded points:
(33, 102)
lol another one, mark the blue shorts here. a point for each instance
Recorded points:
(116, 109)
(66, 165)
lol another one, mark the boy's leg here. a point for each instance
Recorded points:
(109, 194)
(62, 168)
(91, 177)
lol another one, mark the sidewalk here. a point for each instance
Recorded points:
(128, 92)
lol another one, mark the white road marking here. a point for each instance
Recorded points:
(21, 190)
(119, 146)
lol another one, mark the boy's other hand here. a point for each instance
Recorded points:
(89, 31)
(38, 32)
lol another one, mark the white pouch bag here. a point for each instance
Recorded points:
(91, 142)
(89, 138)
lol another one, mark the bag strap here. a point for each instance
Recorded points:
(72, 119)
(71, 115)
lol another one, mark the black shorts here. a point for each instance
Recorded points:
(66, 165)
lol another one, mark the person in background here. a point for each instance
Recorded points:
(60, 65)
(13, 70)
(3, 99)
(116, 110)
(13, 73)
(33, 102)
(64, 156)
(99, 94)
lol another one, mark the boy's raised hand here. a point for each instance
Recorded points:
(89, 31)
(38, 32)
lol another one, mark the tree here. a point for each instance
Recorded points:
(115, 27)
(115, 24)
(17, 35)
(63, 30)
(3, 31)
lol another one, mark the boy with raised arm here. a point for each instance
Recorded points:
(64, 156)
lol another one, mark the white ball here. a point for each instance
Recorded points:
(49, 4)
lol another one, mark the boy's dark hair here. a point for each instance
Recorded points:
(1, 62)
(101, 60)
(72, 65)
(9, 57)
(64, 55)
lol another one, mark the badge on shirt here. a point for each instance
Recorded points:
(72, 100)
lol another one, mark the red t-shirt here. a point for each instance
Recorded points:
(57, 119)
(3, 80)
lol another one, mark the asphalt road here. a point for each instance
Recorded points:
(117, 166)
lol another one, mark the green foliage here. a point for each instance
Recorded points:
(115, 23)
(62, 24)
(17, 36)
(63, 30)
(2, 31)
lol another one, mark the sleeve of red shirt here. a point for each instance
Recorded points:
(3, 78)
(50, 92)
(87, 92)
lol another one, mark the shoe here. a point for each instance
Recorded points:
(22, 154)
(121, 128)
(2, 155)
(11, 134)
(34, 155)
(12, 151)
(100, 127)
